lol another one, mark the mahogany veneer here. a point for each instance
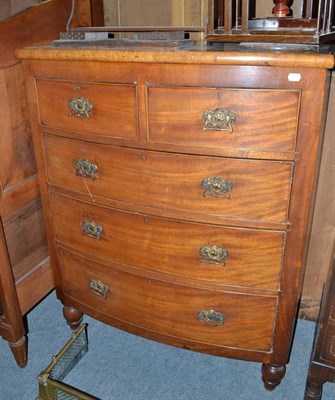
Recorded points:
(161, 223)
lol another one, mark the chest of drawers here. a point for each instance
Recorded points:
(176, 188)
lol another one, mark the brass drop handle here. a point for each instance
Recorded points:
(219, 119)
(91, 229)
(86, 169)
(80, 107)
(211, 317)
(99, 288)
(216, 187)
(213, 254)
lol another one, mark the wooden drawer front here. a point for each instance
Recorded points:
(183, 249)
(167, 308)
(173, 182)
(114, 107)
(265, 119)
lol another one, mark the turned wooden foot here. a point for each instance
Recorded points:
(73, 317)
(272, 375)
(19, 350)
(313, 391)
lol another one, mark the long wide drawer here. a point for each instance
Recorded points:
(100, 108)
(224, 118)
(220, 187)
(211, 317)
(229, 256)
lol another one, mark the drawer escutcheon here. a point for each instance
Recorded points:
(219, 119)
(99, 288)
(86, 169)
(80, 107)
(211, 317)
(213, 254)
(91, 229)
(216, 187)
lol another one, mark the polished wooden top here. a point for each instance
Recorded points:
(200, 55)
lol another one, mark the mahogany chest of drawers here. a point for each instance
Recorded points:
(176, 188)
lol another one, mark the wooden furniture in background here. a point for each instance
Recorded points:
(322, 364)
(264, 8)
(234, 21)
(183, 220)
(322, 234)
(25, 273)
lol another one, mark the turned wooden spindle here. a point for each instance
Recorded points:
(280, 9)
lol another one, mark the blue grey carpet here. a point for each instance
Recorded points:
(120, 366)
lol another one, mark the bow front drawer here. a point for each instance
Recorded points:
(100, 108)
(210, 253)
(215, 187)
(206, 316)
(251, 119)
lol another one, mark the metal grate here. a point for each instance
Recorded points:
(61, 395)
(75, 351)
(50, 385)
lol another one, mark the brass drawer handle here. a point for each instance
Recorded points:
(219, 119)
(91, 229)
(80, 107)
(213, 254)
(86, 169)
(216, 187)
(211, 317)
(99, 288)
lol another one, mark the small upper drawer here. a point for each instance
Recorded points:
(100, 108)
(249, 119)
